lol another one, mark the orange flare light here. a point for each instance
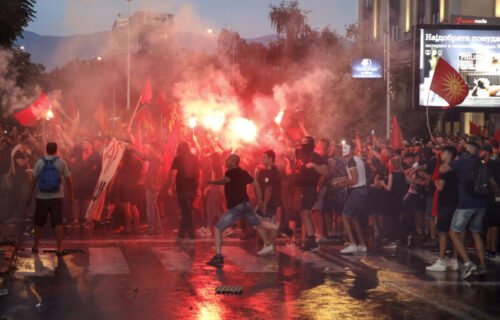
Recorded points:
(50, 114)
(215, 121)
(279, 117)
(244, 129)
(192, 122)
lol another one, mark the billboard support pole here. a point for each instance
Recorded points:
(387, 74)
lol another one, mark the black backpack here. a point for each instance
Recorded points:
(478, 183)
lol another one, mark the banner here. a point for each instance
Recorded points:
(111, 157)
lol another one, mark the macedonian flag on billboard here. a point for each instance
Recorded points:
(448, 84)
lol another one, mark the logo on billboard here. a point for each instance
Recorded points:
(366, 68)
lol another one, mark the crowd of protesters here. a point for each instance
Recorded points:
(358, 194)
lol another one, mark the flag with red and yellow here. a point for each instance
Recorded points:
(448, 84)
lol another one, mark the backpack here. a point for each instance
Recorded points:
(49, 179)
(478, 182)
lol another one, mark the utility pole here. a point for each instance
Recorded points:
(128, 54)
(388, 71)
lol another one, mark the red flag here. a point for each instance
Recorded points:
(396, 135)
(496, 136)
(102, 117)
(358, 144)
(147, 94)
(473, 129)
(28, 116)
(448, 84)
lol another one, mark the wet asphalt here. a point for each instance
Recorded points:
(107, 276)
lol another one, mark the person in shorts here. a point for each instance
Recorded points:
(235, 183)
(447, 186)
(308, 170)
(50, 202)
(492, 216)
(269, 181)
(356, 199)
(470, 209)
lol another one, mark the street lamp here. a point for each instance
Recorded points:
(21, 48)
(128, 54)
(99, 58)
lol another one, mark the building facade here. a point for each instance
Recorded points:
(396, 20)
(146, 29)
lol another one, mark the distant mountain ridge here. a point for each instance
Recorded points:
(56, 51)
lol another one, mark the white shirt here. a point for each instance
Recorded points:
(356, 162)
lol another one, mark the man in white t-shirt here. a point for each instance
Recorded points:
(50, 201)
(356, 199)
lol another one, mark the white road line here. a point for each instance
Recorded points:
(36, 265)
(453, 310)
(249, 262)
(309, 257)
(107, 261)
(173, 259)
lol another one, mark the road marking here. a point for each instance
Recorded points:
(249, 262)
(173, 259)
(107, 261)
(310, 257)
(453, 310)
(36, 265)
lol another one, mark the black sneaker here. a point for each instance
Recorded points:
(217, 261)
(310, 246)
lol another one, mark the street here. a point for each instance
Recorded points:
(158, 278)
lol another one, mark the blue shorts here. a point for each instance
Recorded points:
(243, 210)
(471, 217)
(356, 202)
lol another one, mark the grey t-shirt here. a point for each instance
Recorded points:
(63, 171)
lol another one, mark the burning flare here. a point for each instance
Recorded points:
(279, 117)
(50, 114)
(244, 129)
(192, 122)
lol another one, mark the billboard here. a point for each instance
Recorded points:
(367, 68)
(473, 51)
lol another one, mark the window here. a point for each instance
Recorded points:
(421, 12)
(394, 19)
(435, 14)
(368, 3)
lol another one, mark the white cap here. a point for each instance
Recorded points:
(345, 150)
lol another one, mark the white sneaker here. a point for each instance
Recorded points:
(350, 249)
(495, 257)
(439, 265)
(362, 248)
(452, 264)
(267, 251)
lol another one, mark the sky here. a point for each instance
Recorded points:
(248, 17)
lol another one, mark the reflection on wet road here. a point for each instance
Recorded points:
(161, 279)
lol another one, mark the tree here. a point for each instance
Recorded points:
(14, 17)
(289, 20)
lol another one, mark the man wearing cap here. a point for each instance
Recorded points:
(356, 200)
(471, 208)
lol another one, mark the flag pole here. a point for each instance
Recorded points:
(135, 111)
(427, 115)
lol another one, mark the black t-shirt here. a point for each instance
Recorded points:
(236, 189)
(131, 170)
(494, 166)
(270, 177)
(449, 195)
(305, 177)
(399, 186)
(188, 173)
